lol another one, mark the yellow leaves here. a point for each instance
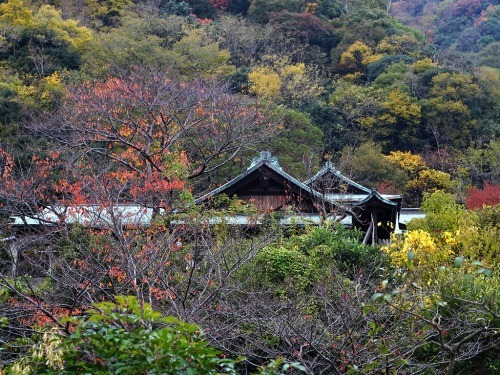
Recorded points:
(15, 13)
(356, 56)
(197, 53)
(426, 252)
(367, 122)
(429, 301)
(294, 70)
(291, 81)
(423, 65)
(489, 81)
(296, 81)
(47, 21)
(105, 11)
(44, 92)
(49, 350)
(420, 242)
(26, 92)
(51, 87)
(421, 248)
(442, 105)
(454, 86)
(431, 180)
(406, 44)
(401, 105)
(421, 177)
(400, 108)
(449, 238)
(311, 7)
(264, 82)
(479, 241)
(353, 77)
(371, 58)
(352, 98)
(54, 79)
(407, 161)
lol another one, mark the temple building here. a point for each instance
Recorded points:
(328, 196)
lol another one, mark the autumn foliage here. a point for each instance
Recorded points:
(489, 195)
(220, 4)
(115, 115)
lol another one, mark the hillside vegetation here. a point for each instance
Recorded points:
(154, 103)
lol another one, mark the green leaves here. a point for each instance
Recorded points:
(481, 268)
(376, 296)
(41, 42)
(128, 337)
(458, 262)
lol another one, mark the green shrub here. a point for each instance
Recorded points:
(125, 337)
(279, 263)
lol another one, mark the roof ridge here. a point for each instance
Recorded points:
(265, 158)
(329, 167)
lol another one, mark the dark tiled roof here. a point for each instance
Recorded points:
(265, 159)
(375, 195)
(329, 168)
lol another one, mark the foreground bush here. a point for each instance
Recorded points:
(126, 337)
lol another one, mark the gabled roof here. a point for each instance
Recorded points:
(265, 160)
(357, 198)
(328, 168)
(375, 197)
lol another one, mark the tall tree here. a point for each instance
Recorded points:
(41, 43)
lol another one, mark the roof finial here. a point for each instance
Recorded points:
(329, 165)
(265, 155)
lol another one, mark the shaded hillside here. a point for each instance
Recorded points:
(335, 77)
(470, 28)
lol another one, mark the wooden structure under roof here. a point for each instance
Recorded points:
(263, 184)
(374, 213)
(269, 188)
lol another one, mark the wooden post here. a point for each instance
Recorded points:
(374, 225)
(368, 233)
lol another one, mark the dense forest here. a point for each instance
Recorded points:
(154, 103)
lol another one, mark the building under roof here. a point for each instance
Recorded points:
(328, 195)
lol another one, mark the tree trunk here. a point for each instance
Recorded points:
(451, 364)
(14, 253)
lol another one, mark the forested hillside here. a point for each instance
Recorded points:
(344, 76)
(156, 102)
(465, 33)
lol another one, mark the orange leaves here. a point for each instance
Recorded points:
(117, 273)
(44, 314)
(220, 4)
(143, 122)
(157, 185)
(132, 123)
(34, 186)
(177, 245)
(70, 189)
(6, 164)
(161, 294)
(80, 264)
